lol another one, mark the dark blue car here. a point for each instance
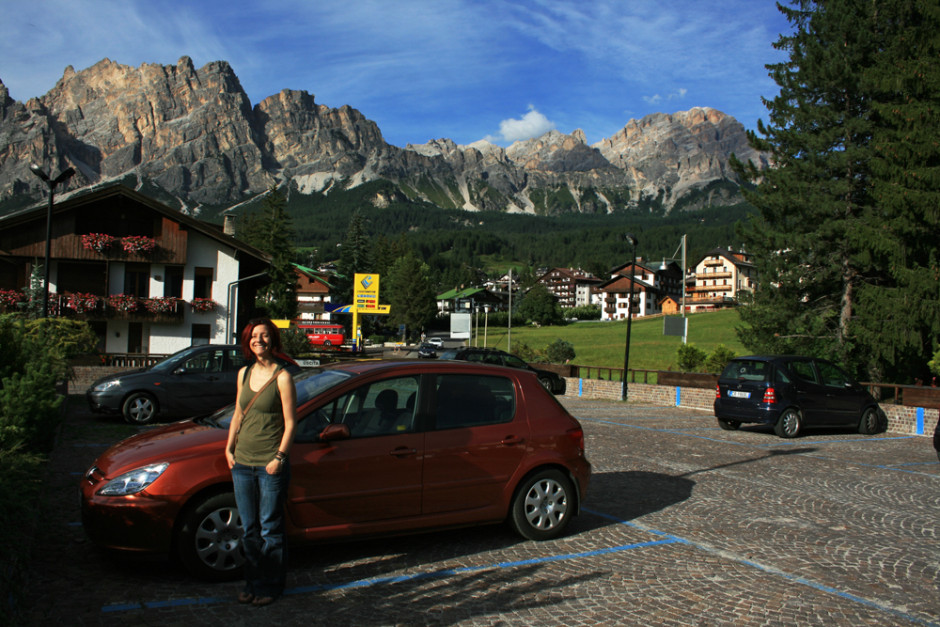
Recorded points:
(196, 380)
(792, 392)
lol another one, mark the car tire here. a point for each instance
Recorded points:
(729, 425)
(140, 408)
(789, 424)
(543, 505)
(209, 541)
(870, 423)
(327, 343)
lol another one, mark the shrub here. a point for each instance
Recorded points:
(690, 357)
(560, 352)
(295, 342)
(584, 312)
(717, 361)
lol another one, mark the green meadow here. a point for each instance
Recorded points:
(602, 344)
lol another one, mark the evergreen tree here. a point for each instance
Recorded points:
(540, 306)
(355, 256)
(271, 231)
(411, 294)
(824, 240)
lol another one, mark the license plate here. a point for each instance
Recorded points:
(737, 394)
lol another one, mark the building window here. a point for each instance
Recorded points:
(137, 279)
(173, 282)
(200, 334)
(202, 283)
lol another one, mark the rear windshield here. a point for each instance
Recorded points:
(748, 370)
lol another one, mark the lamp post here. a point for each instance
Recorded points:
(626, 353)
(64, 175)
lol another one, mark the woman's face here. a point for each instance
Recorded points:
(261, 340)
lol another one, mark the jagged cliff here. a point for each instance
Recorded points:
(194, 134)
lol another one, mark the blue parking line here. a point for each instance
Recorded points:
(375, 581)
(772, 570)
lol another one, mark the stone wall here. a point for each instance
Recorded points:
(901, 419)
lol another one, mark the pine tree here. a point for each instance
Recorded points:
(823, 240)
(271, 231)
(355, 256)
(410, 294)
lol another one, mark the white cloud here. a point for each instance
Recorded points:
(532, 124)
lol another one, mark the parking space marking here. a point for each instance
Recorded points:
(664, 539)
(771, 570)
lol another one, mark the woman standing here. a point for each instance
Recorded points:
(259, 440)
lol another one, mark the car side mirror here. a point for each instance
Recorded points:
(334, 432)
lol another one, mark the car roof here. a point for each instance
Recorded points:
(420, 366)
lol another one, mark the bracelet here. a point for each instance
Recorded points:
(280, 456)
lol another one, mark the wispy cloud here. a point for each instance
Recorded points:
(532, 124)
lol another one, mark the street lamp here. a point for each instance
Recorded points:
(631, 239)
(52, 183)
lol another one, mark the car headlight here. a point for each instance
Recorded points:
(107, 385)
(134, 481)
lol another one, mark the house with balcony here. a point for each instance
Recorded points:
(570, 286)
(653, 285)
(147, 278)
(721, 277)
(313, 294)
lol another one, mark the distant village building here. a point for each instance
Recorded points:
(721, 277)
(313, 294)
(571, 287)
(652, 285)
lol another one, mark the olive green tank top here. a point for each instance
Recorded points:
(262, 427)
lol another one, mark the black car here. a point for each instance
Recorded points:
(426, 350)
(549, 380)
(936, 439)
(791, 392)
(196, 380)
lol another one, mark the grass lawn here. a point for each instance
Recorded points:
(602, 343)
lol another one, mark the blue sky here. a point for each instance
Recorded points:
(425, 69)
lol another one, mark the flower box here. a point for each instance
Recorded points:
(82, 302)
(161, 305)
(123, 302)
(201, 305)
(98, 242)
(139, 244)
(10, 298)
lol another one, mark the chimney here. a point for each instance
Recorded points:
(228, 227)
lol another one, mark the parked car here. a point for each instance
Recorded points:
(936, 439)
(381, 448)
(194, 381)
(436, 342)
(790, 393)
(426, 350)
(549, 380)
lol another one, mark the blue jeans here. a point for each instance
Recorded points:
(260, 499)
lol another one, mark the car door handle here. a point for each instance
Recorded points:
(512, 440)
(402, 451)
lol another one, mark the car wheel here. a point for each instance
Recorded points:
(327, 343)
(789, 424)
(543, 504)
(140, 408)
(870, 423)
(209, 543)
(729, 425)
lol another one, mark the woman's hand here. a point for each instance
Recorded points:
(230, 458)
(273, 467)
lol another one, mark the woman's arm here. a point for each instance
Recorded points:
(288, 392)
(236, 423)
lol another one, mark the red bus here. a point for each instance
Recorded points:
(323, 334)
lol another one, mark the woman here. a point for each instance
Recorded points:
(259, 441)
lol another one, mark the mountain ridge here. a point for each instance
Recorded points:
(195, 134)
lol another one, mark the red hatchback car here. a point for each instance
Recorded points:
(381, 448)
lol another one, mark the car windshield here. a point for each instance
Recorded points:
(309, 384)
(451, 354)
(747, 369)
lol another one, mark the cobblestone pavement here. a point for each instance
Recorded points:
(684, 524)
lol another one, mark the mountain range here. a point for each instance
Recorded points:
(194, 135)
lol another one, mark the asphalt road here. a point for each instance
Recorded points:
(684, 524)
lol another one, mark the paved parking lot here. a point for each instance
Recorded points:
(685, 524)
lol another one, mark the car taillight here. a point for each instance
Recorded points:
(717, 392)
(770, 396)
(577, 435)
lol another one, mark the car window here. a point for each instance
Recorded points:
(380, 408)
(804, 371)
(474, 357)
(515, 362)
(781, 376)
(831, 375)
(747, 370)
(471, 400)
(204, 362)
(235, 359)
